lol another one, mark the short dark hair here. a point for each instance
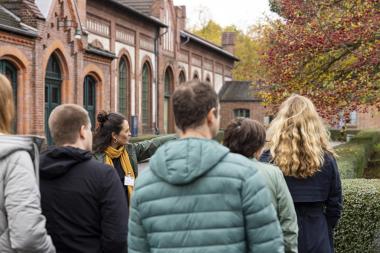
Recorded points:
(65, 122)
(192, 101)
(244, 136)
(107, 124)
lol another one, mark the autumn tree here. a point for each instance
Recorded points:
(248, 46)
(328, 50)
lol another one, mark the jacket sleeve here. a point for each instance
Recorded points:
(114, 214)
(287, 215)
(262, 226)
(145, 149)
(334, 200)
(137, 237)
(22, 199)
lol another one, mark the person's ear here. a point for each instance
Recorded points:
(82, 132)
(211, 115)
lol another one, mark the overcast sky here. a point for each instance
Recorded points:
(241, 13)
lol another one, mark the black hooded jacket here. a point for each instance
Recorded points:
(83, 201)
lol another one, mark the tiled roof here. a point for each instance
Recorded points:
(124, 4)
(239, 91)
(11, 23)
(143, 6)
(187, 35)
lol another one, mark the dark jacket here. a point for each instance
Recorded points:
(318, 203)
(137, 152)
(83, 202)
(199, 197)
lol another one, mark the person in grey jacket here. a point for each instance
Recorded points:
(247, 137)
(22, 226)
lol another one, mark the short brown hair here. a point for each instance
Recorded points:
(65, 122)
(192, 101)
(6, 105)
(244, 136)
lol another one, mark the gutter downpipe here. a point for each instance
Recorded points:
(157, 76)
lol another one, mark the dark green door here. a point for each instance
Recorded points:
(10, 71)
(89, 100)
(53, 81)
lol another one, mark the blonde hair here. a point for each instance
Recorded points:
(298, 139)
(6, 105)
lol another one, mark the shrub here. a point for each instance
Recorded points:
(339, 135)
(353, 156)
(360, 222)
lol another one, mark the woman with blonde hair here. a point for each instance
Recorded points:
(299, 145)
(22, 226)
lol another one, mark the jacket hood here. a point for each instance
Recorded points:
(11, 143)
(184, 160)
(57, 161)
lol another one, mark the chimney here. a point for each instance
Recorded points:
(181, 17)
(228, 41)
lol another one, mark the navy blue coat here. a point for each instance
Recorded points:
(318, 203)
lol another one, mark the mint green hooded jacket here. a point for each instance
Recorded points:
(198, 197)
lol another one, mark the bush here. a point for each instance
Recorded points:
(360, 222)
(353, 156)
(338, 135)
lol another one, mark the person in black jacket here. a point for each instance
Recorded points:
(82, 199)
(299, 145)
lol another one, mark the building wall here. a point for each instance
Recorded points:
(257, 111)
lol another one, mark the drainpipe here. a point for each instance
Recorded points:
(157, 76)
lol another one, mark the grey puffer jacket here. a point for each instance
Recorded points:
(22, 226)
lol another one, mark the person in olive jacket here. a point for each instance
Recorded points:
(112, 147)
(247, 137)
(82, 198)
(197, 196)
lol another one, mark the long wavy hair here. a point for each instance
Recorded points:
(298, 139)
(6, 105)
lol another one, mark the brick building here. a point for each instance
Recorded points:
(240, 99)
(114, 55)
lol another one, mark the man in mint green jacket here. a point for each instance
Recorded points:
(197, 196)
(247, 137)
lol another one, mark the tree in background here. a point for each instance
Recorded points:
(248, 48)
(328, 50)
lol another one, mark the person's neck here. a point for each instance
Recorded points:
(200, 132)
(75, 145)
(115, 145)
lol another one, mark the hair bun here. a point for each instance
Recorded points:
(102, 117)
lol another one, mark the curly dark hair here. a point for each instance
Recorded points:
(244, 136)
(108, 123)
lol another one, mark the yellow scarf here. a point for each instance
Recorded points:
(112, 153)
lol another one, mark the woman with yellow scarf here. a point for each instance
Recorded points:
(111, 146)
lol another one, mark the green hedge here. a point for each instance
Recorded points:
(360, 222)
(339, 135)
(353, 156)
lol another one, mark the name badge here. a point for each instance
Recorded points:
(129, 181)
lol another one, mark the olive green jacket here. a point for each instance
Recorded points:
(282, 202)
(140, 151)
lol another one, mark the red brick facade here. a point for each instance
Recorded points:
(110, 31)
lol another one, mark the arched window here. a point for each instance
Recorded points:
(53, 81)
(196, 76)
(146, 97)
(10, 71)
(168, 87)
(182, 77)
(124, 77)
(89, 99)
